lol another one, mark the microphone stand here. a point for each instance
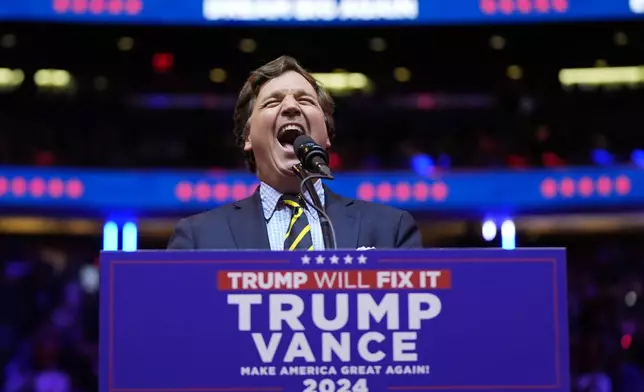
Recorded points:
(328, 233)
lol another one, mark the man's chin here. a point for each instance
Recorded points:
(287, 181)
(285, 168)
(289, 170)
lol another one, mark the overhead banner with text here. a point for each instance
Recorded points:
(320, 12)
(462, 320)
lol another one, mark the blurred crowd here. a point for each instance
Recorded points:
(606, 318)
(48, 316)
(397, 141)
(525, 118)
(49, 313)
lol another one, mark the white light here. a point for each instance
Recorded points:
(130, 237)
(508, 235)
(110, 236)
(89, 278)
(630, 298)
(489, 230)
(637, 6)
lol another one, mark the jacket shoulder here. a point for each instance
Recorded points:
(189, 232)
(213, 215)
(396, 228)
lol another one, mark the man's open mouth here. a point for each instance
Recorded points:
(288, 133)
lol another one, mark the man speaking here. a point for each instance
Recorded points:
(280, 102)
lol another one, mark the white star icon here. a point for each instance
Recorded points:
(334, 259)
(362, 259)
(348, 259)
(319, 259)
(306, 259)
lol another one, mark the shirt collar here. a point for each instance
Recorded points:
(270, 197)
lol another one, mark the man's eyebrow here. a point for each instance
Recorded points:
(283, 92)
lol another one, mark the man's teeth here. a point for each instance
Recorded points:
(293, 128)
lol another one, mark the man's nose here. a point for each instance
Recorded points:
(290, 107)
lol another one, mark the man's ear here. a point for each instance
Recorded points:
(248, 145)
(327, 142)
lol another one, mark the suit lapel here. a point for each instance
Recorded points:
(345, 219)
(247, 224)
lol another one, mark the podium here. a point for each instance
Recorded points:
(334, 321)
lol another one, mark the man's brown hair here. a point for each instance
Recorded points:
(248, 95)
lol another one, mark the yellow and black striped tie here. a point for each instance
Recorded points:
(298, 236)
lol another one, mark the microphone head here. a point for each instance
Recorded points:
(306, 148)
(313, 157)
(301, 140)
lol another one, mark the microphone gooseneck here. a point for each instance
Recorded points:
(328, 232)
(313, 157)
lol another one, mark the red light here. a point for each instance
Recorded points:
(560, 5)
(524, 6)
(366, 191)
(403, 191)
(61, 6)
(37, 187)
(425, 101)
(19, 186)
(183, 191)
(511, 7)
(421, 191)
(567, 187)
(517, 161)
(604, 185)
(549, 188)
(239, 191)
(550, 159)
(335, 161)
(221, 192)
(202, 190)
(97, 6)
(79, 6)
(506, 6)
(623, 185)
(440, 191)
(542, 5)
(56, 187)
(488, 6)
(74, 188)
(384, 191)
(134, 7)
(586, 186)
(626, 341)
(162, 62)
(115, 7)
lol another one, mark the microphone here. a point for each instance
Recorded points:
(314, 158)
(328, 232)
(314, 164)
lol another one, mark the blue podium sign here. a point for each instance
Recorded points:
(345, 321)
